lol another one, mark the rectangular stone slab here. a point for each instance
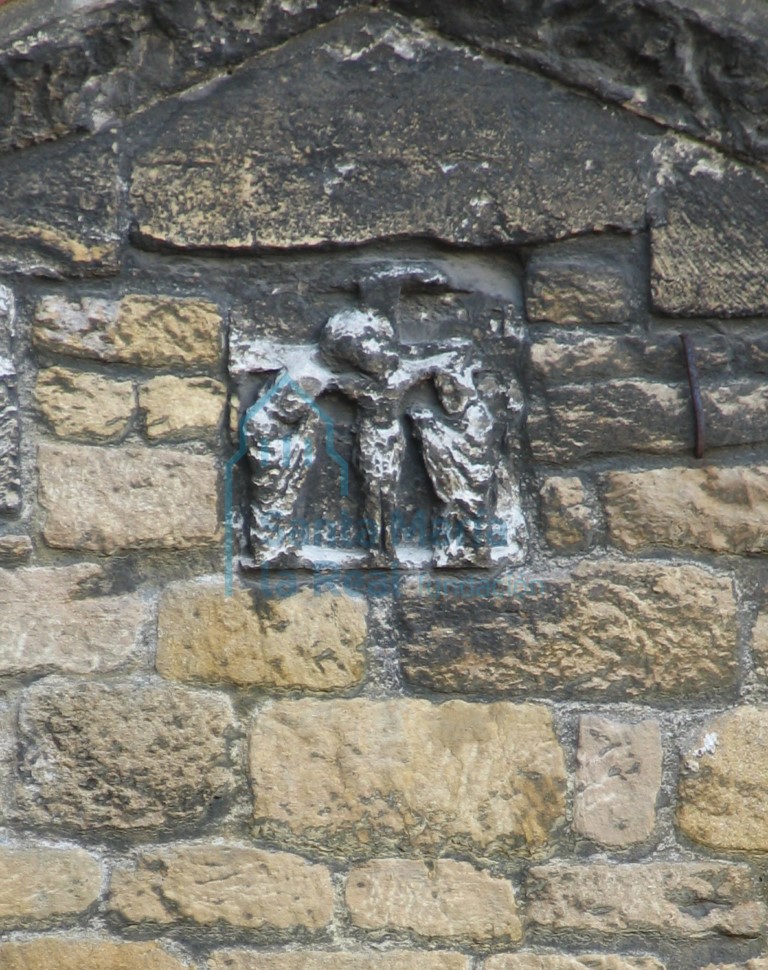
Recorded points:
(372, 128)
(606, 630)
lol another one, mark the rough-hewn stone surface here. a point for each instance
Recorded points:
(590, 961)
(718, 508)
(310, 640)
(42, 883)
(749, 965)
(46, 953)
(60, 215)
(641, 415)
(182, 407)
(15, 549)
(75, 66)
(573, 355)
(82, 405)
(126, 498)
(478, 767)
(618, 778)
(342, 152)
(10, 471)
(688, 899)
(440, 899)
(692, 64)
(584, 282)
(604, 630)
(360, 776)
(725, 783)
(709, 239)
(235, 885)
(152, 331)
(51, 623)
(359, 960)
(569, 523)
(122, 756)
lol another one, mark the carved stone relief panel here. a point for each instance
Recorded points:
(379, 408)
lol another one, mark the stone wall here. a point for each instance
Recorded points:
(268, 267)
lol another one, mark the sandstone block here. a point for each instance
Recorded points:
(709, 243)
(682, 899)
(584, 281)
(440, 899)
(14, 549)
(619, 630)
(122, 756)
(151, 331)
(181, 407)
(51, 624)
(569, 523)
(573, 356)
(47, 953)
(81, 405)
(584, 961)
(711, 507)
(42, 883)
(360, 776)
(617, 780)
(308, 640)
(358, 960)
(60, 209)
(105, 499)
(236, 885)
(578, 420)
(643, 415)
(724, 783)
(317, 138)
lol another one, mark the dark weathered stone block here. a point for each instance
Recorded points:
(371, 128)
(60, 209)
(610, 630)
(710, 237)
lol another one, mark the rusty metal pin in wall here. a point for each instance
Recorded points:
(693, 381)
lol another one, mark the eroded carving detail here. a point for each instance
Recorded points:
(417, 433)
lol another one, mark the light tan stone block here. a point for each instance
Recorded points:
(724, 785)
(358, 960)
(361, 776)
(237, 885)
(50, 623)
(308, 640)
(182, 407)
(125, 756)
(721, 509)
(568, 521)
(41, 883)
(152, 331)
(584, 961)
(105, 499)
(81, 405)
(440, 899)
(680, 899)
(617, 780)
(53, 953)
